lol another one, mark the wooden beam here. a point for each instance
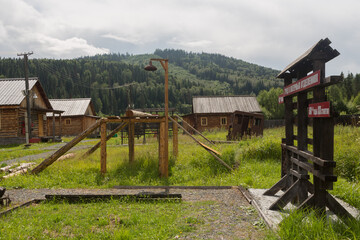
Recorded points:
(50, 160)
(103, 154)
(94, 148)
(286, 197)
(211, 142)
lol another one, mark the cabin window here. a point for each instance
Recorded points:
(67, 121)
(223, 121)
(257, 121)
(203, 121)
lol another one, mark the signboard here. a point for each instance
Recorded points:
(321, 109)
(301, 85)
(281, 98)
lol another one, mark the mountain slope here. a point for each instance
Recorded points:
(114, 80)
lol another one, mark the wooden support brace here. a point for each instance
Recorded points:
(290, 194)
(201, 144)
(211, 142)
(337, 208)
(50, 160)
(278, 186)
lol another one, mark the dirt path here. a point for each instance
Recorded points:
(225, 213)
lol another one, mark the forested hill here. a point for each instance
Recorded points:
(112, 80)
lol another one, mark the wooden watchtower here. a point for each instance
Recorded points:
(305, 105)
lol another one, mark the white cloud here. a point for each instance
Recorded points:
(269, 33)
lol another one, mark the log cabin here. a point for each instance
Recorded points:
(13, 110)
(78, 115)
(217, 112)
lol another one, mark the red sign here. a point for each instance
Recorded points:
(301, 85)
(321, 109)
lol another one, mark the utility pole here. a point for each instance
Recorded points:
(27, 95)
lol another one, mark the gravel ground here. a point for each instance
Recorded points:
(226, 214)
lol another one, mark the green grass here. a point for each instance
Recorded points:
(257, 161)
(103, 220)
(301, 225)
(16, 151)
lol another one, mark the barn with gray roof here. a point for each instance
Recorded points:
(216, 112)
(78, 114)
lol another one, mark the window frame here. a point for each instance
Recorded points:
(221, 121)
(68, 121)
(201, 121)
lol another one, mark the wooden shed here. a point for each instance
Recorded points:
(216, 112)
(13, 110)
(78, 115)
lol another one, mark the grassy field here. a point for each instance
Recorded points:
(258, 166)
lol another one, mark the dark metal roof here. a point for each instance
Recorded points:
(225, 104)
(319, 50)
(11, 90)
(72, 107)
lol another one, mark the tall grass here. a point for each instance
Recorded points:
(301, 225)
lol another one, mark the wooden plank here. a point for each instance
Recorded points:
(103, 154)
(50, 160)
(310, 157)
(299, 175)
(93, 197)
(97, 145)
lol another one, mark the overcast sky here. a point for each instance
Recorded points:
(270, 33)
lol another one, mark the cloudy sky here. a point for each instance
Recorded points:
(270, 33)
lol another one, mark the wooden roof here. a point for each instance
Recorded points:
(225, 104)
(320, 50)
(74, 106)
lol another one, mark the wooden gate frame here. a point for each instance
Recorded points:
(298, 161)
(122, 121)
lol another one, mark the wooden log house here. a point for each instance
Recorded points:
(78, 115)
(13, 110)
(216, 112)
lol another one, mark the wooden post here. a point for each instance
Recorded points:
(175, 138)
(131, 141)
(302, 135)
(163, 163)
(96, 146)
(323, 136)
(103, 147)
